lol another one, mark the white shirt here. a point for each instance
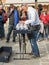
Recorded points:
(33, 17)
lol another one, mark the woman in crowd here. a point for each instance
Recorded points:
(2, 33)
(43, 17)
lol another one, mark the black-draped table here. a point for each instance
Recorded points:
(22, 46)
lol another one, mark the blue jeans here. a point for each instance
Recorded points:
(34, 45)
(9, 33)
(2, 31)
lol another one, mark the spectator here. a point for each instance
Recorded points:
(13, 20)
(2, 32)
(43, 17)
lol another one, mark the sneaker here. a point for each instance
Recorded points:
(14, 41)
(31, 53)
(7, 41)
(36, 56)
(40, 40)
(3, 38)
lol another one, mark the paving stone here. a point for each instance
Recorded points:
(28, 59)
(44, 63)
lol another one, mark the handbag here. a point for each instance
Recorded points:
(5, 17)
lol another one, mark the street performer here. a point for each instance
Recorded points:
(33, 21)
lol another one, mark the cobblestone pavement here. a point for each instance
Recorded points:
(28, 59)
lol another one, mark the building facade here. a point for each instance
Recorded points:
(45, 3)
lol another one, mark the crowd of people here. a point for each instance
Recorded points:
(25, 17)
(44, 18)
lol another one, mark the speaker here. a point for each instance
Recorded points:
(5, 53)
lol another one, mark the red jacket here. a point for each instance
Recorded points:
(44, 18)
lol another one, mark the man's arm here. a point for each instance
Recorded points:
(31, 18)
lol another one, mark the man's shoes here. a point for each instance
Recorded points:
(7, 41)
(31, 53)
(14, 41)
(2, 38)
(36, 56)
